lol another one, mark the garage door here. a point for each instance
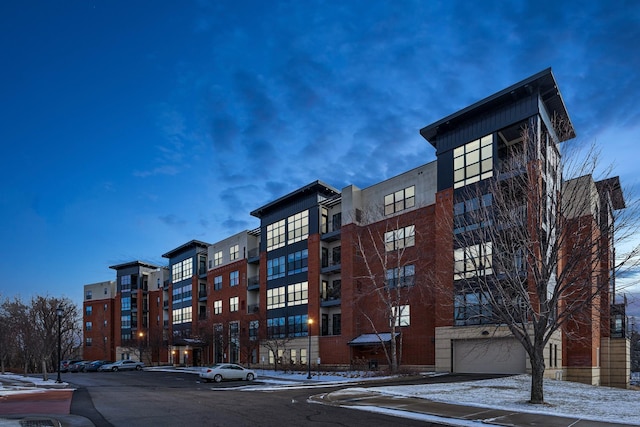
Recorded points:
(489, 356)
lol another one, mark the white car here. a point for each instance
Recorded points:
(226, 371)
(122, 365)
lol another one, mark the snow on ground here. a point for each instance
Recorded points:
(563, 398)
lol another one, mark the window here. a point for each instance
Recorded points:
(182, 270)
(401, 238)
(337, 324)
(401, 276)
(474, 260)
(125, 283)
(400, 200)
(233, 278)
(105, 323)
(298, 226)
(181, 315)
(217, 307)
(177, 295)
(276, 298)
(88, 295)
(472, 308)
(125, 321)
(125, 303)
(253, 330)
(234, 252)
(89, 341)
(276, 328)
(275, 235)
(275, 268)
(233, 304)
(297, 262)
(88, 310)
(303, 356)
(298, 294)
(324, 221)
(298, 325)
(471, 214)
(401, 315)
(217, 258)
(473, 162)
(106, 290)
(88, 326)
(217, 283)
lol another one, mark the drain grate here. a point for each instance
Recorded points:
(42, 422)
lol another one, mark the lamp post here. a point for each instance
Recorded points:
(59, 313)
(140, 338)
(309, 323)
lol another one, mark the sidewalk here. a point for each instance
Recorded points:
(446, 413)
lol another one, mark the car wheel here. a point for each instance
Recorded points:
(138, 368)
(114, 369)
(217, 378)
(250, 377)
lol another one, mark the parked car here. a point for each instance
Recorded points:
(93, 366)
(227, 371)
(122, 365)
(64, 364)
(77, 366)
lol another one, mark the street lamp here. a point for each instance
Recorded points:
(140, 336)
(59, 313)
(309, 323)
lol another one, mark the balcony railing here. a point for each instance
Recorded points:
(253, 308)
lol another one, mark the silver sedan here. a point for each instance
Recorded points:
(226, 371)
(122, 365)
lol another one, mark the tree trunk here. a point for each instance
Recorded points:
(45, 376)
(537, 375)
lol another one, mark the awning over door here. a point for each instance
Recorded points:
(372, 339)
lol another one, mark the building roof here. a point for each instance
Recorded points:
(612, 186)
(314, 187)
(192, 244)
(134, 264)
(543, 82)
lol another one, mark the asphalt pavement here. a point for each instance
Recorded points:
(447, 414)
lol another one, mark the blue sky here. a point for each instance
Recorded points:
(132, 127)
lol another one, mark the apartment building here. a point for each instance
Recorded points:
(98, 321)
(394, 273)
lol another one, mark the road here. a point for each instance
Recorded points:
(176, 398)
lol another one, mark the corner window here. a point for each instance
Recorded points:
(473, 162)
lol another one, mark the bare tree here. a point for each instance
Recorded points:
(534, 250)
(388, 281)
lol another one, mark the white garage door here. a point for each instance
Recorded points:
(489, 356)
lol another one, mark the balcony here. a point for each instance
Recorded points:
(332, 267)
(253, 308)
(253, 283)
(253, 255)
(202, 295)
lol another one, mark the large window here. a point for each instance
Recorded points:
(297, 325)
(401, 238)
(125, 283)
(275, 268)
(473, 162)
(400, 200)
(276, 235)
(181, 315)
(182, 270)
(297, 262)
(298, 226)
(125, 303)
(402, 315)
(125, 321)
(474, 260)
(276, 298)
(401, 276)
(276, 328)
(298, 294)
(234, 252)
(233, 278)
(471, 214)
(472, 308)
(217, 258)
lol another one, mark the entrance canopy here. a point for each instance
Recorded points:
(372, 339)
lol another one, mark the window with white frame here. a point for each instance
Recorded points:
(473, 162)
(217, 307)
(473, 260)
(233, 304)
(298, 226)
(400, 200)
(234, 278)
(276, 298)
(276, 235)
(217, 258)
(401, 314)
(403, 237)
(234, 252)
(182, 270)
(298, 294)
